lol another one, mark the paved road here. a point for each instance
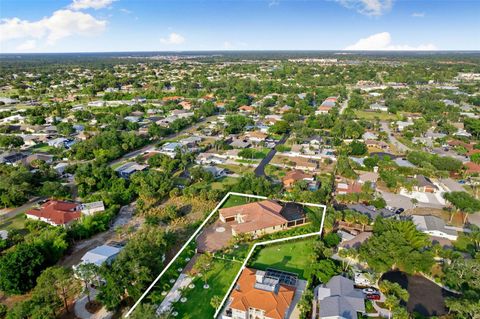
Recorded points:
(344, 106)
(260, 170)
(135, 153)
(400, 147)
(14, 212)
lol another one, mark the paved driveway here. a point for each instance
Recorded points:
(396, 200)
(215, 237)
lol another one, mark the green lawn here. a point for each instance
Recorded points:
(222, 182)
(45, 148)
(238, 169)
(292, 256)
(234, 200)
(219, 278)
(17, 222)
(383, 116)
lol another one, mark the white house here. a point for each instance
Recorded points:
(100, 255)
(92, 208)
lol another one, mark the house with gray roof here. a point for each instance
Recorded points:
(129, 168)
(101, 254)
(434, 226)
(338, 299)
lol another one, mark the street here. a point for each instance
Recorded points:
(402, 148)
(260, 170)
(135, 153)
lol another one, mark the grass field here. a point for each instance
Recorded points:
(222, 182)
(17, 222)
(219, 278)
(383, 116)
(292, 256)
(44, 147)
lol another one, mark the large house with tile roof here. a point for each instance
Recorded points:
(260, 295)
(254, 218)
(56, 213)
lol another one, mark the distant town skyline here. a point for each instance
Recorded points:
(125, 25)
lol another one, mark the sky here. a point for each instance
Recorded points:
(28, 26)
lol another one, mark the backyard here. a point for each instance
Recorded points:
(291, 256)
(234, 200)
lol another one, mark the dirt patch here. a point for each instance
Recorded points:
(93, 306)
(9, 301)
(124, 219)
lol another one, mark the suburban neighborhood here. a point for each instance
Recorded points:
(238, 186)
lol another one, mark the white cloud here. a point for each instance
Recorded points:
(93, 4)
(273, 3)
(368, 7)
(173, 39)
(27, 45)
(418, 14)
(383, 42)
(126, 11)
(227, 45)
(61, 24)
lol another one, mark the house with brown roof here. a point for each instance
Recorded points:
(256, 136)
(472, 168)
(246, 109)
(186, 105)
(303, 163)
(256, 218)
(295, 176)
(261, 295)
(348, 187)
(56, 213)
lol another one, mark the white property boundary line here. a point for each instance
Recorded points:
(220, 204)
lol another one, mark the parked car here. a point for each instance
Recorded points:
(399, 211)
(370, 290)
(373, 297)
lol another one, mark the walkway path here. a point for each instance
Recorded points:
(82, 313)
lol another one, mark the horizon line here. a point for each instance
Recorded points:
(251, 50)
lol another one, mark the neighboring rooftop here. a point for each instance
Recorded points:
(275, 300)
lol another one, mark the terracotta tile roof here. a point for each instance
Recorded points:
(256, 134)
(57, 212)
(472, 167)
(255, 216)
(172, 98)
(294, 176)
(247, 296)
(349, 187)
(246, 108)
